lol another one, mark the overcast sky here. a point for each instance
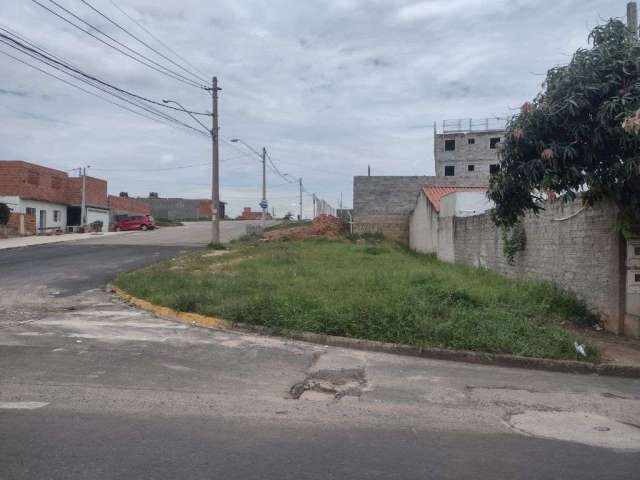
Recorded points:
(328, 86)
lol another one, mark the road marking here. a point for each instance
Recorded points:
(22, 405)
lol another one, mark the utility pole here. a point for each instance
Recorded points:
(264, 203)
(83, 207)
(300, 181)
(632, 20)
(314, 206)
(82, 172)
(215, 166)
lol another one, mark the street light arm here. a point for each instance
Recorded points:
(188, 113)
(239, 140)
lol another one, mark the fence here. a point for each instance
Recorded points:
(576, 248)
(460, 125)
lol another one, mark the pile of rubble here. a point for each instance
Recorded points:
(325, 226)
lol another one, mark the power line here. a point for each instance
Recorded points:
(165, 71)
(60, 66)
(98, 87)
(164, 169)
(155, 38)
(113, 22)
(278, 172)
(66, 66)
(93, 93)
(77, 86)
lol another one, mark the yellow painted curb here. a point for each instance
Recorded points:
(184, 317)
(505, 360)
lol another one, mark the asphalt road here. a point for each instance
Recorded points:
(69, 268)
(92, 388)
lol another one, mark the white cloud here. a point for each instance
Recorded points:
(439, 8)
(328, 86)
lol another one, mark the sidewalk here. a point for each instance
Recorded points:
(21, 242)
(615, 350)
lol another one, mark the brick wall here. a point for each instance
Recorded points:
(248, 214)
(95, 192)
(578, 250)
(27, 180)
(35, 182)
(126, 205)
(29, 224)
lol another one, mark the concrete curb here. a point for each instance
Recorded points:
(60, 239)
(504, 360)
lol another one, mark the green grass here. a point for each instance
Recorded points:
(289, 224)
(369, 289)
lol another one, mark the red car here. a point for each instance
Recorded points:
(138, 222)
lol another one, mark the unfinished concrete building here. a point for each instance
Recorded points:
(467, 148)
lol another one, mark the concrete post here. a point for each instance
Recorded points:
(632, 20)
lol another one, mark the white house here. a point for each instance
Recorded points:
(431, 220)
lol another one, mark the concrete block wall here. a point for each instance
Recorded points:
(577, 249)
(384, 203)
(479, 153)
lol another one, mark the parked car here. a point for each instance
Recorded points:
(137, 222)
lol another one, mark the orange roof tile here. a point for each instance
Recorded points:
(435, 192)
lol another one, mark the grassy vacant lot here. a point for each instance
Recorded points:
(376, 290)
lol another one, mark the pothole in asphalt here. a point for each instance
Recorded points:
(580, 427)
(345, 382)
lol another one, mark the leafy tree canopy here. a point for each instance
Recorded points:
(581, 133)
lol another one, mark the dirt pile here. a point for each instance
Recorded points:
(323, 226)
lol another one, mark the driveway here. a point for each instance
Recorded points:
(92, 388)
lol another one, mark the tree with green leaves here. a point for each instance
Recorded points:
(581, 134)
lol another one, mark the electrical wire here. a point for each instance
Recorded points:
(86, 91)
(141, 106)
(73, 85)
(66, 66)
(165, 71)
(142, 27)
(164, 169)
(278, 172)
(54, 64)
(113, 22)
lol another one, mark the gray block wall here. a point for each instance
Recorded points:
(383, 203)
(173, 208)
(577, 249)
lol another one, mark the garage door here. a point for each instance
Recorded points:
(94, 215)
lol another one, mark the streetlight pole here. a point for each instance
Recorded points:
(263, 156)
(83, 206)
(215, 158)
(215, 166)
(82, 171)
(300, 181)
(264, 203)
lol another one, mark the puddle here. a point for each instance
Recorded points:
(579, 427)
